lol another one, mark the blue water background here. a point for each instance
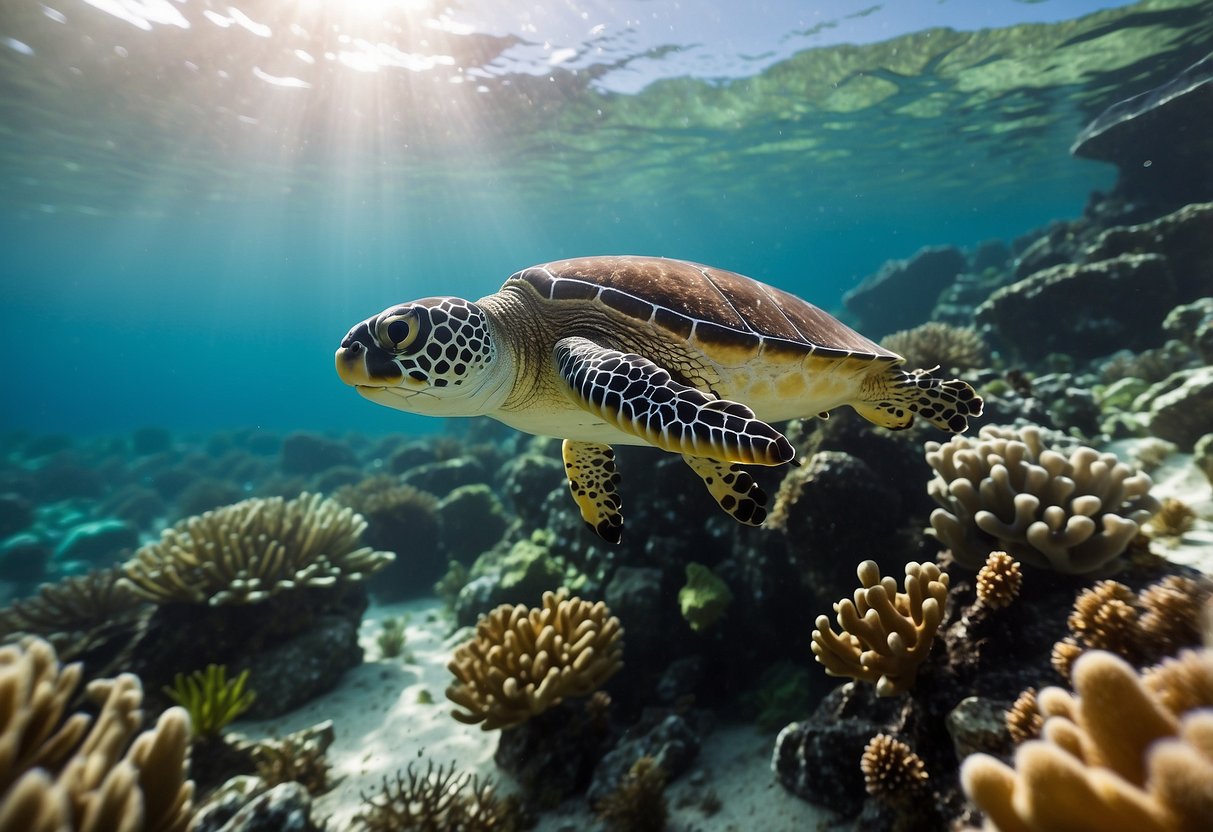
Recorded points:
(202, 314)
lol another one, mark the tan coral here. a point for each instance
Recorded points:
(1105, 618)
(1005, 489)
(936, 344)
(1172, 610)
(1113, 757)
(1024, 720)
(884, 634)
(891, 770)
(522, 662)
(1065, 653)
(83, 775)
(244, 553)
(999, 580)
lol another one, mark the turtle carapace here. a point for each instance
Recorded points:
(603, 351)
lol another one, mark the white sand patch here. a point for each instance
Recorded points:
(380, 728)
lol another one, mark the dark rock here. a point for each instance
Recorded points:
(989, 254)
(62, 478)
(902, 294)
(308, 453)
(473, 520)
(818, 759)
(552, 756)
(635, 595)
(286, 807)
(1192, 324)
(24, 559)
(221, 805)
(838, 505)
(680, 680)
(1070, 403)
(1181, 407)
(441, 478)
(1062, 242)
(1161, 141)
(1182, 237)
(291, 673)
(1085, 310)
(205, 494)
(671, 743)
(101, 543)
(16, 514)
(413, 455)
(528, 479)
(977, 725)
(1202, 456)
(138, 505)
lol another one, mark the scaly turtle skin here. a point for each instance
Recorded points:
(604, 351)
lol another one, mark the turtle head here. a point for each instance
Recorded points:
(433, 356)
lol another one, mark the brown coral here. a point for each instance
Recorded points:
(1065, 653)
(1113, 757)
(884, 634)
(999, 580)
(1105, 618)
(298, 758)
(247, 552)
(63, 775)
(937, 344)
(1024, 719)
(891, 770)
(522, 662)
(437, 800)
(638, 804)
(75, 613)
(1173, 519)
(1171, 612)
(1182, 683)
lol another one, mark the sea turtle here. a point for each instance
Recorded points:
(641, 351)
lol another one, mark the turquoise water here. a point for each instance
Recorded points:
(196, 202)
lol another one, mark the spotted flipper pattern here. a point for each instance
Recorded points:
(733, 489)
(594, 483)
(894, 399)
(637, 396)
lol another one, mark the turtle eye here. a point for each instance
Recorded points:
(399, 332)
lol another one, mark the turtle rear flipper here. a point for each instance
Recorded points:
(894, 399)
(635, 395)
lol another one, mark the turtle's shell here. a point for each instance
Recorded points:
(717, 307)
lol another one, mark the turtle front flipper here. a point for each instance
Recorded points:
(733, 489)
(638, 397)
(893, 399)
(594, 482)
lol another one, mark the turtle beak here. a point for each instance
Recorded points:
(362, 363)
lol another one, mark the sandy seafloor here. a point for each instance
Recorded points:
(380, 726)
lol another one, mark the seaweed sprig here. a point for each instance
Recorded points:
(439, 799)
(212, 700)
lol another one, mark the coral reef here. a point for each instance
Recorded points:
(1006, 490)
(885, 634)
(437, 800)
(78, 773)
(638, 805)
(1113, 756)
(522, 662)
(1023, 719)
(1174, 519)
(212, 700)
(999, 580)
(297, 758)
(247, 552)
(935, 344)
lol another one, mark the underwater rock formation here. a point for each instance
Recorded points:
(1005, 490)
(1182, 237)
(902, 294)
(1161, 140)
(522, 662)
(1181, 406)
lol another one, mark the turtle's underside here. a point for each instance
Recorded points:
(643, 351)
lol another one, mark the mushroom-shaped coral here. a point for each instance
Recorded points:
(521, 662)
(1006, 490)
(998, 581)
(1115, 757)
(885, 634)
(246, 552)
(80, 774)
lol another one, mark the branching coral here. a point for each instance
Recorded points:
(244, 553)
(212, 700)
(436, 800)
(891, 770)
(522, 662)
(83, 775)
(1024, 720)
(1114, 757)
(998, 580)
(1006, 490)
(298, 758)
(638, 804)
(1174, 519)
(73, 613)
(937, 344)
(885, 634)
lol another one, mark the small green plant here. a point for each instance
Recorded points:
(424, 697)
(391, 637)
(210, 698)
